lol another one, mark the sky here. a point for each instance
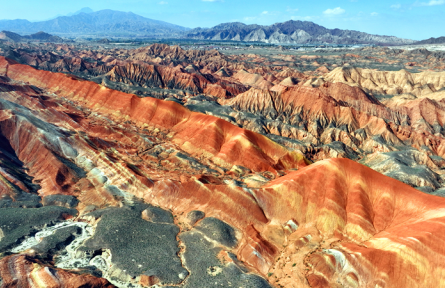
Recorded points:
(412, 19)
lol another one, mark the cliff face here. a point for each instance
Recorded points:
(227, 204)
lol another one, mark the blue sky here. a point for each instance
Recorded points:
(414, 19)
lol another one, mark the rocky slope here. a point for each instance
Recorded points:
(140, 192)
(295, 32)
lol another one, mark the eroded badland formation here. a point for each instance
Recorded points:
(163, 167)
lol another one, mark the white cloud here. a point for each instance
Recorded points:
(291, 9)
(163, 3)
(264, 12)
(374, 14)
(335, 11)
(432, 3)
(396, 6)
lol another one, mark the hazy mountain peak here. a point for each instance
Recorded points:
(83, 10)
(105, 22)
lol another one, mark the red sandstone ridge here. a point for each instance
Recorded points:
(207, 134)
(367, 225)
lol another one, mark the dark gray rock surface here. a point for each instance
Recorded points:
(158, 215)
(61, 238)
(194, 216)
(218, 230)
(17, 223)
(138, 246)
(207, 270)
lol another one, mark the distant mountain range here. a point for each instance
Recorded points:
(39, 37)
(432, 40)
(108, 23)
(297, 32)
(104, 22)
